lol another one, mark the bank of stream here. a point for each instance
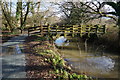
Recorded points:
(44, 61)
(93, 62)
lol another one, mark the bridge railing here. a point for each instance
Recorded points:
(34, 30)
(67, 30)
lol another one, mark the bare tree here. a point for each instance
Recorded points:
(115, 15)
(76, 12)
(22, 16)
(8, 15)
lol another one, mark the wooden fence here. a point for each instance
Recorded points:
(67, 30)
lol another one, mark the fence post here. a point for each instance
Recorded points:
(28, 32)
(72, 31)
(66, 30)
(96, 28)
(104, 29)
(41, 29)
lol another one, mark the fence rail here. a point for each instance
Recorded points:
(67, 30)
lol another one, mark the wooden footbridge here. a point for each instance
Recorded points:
(74, 30)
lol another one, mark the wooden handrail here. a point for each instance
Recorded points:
(74, 29)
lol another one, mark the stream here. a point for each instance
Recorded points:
(93, 63)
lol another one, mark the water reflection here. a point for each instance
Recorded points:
(62, 41)
(103, 66)
(18, 50)
(7, 50)
(103, 63)
(11, 50)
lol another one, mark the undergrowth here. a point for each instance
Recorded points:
(60, 67)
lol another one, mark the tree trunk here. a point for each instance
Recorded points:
(119, 31)
(23, 21)
(86, 46)
(21, 17)
(8, 18)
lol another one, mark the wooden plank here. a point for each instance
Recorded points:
(66, 30)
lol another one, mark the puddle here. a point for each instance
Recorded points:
(13, 64)
(18, 50)
(11, 50)
(8, 50)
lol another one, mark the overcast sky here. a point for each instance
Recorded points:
(45, 4)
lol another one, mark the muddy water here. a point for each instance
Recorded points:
(91, 63)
